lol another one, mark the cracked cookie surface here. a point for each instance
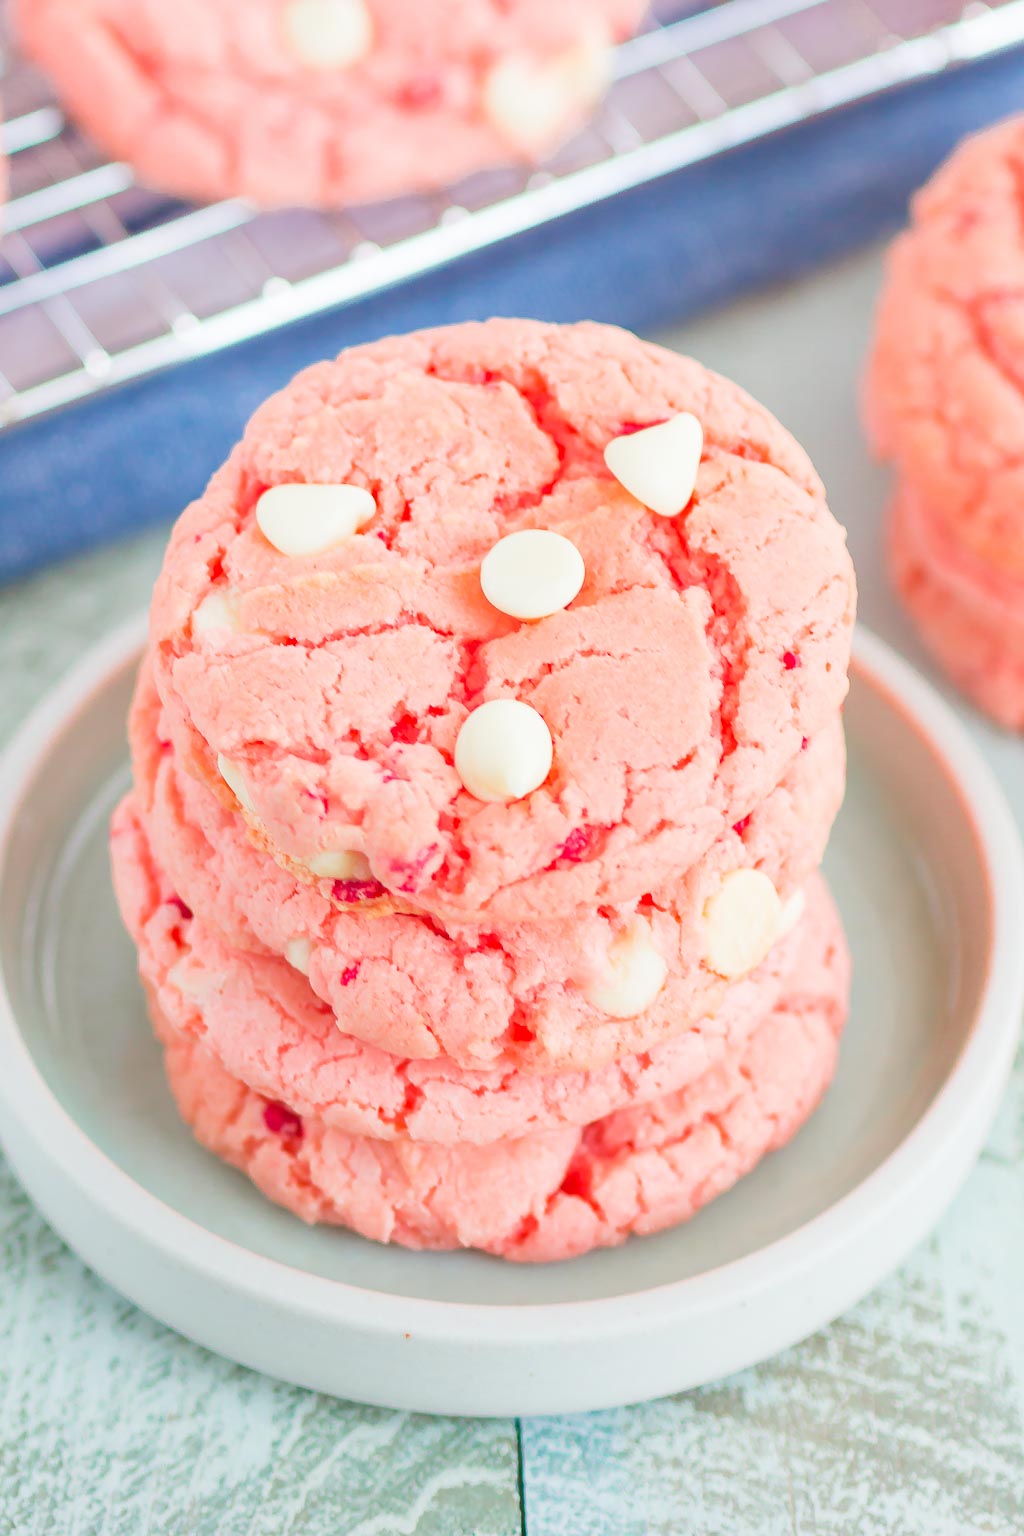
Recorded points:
(556, 1193)
(259, 1018)
(511, 996)
(678, 687)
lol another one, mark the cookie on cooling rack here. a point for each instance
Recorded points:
(324, 102)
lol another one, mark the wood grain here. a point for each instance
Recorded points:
(903, 1417)
(112, 1426)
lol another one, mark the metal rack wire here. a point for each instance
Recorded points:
(102, 280)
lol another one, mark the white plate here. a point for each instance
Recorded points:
(927, 868)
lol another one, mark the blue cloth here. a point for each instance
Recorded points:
(111, 465)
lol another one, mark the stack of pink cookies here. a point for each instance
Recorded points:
(945, 402)
(485, 753)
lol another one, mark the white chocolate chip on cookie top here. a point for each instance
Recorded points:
(328, 34)
(530, 101)
(658, 465)
(532, 574)
(503, 751)
(300, 519)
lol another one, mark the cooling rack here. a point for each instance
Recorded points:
(102, 280)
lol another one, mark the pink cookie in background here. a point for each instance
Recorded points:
(506, 997)
(944, 401)
(324, 102)
(970, 615)
(553, 1194)
(322, 640)
(259, 1019)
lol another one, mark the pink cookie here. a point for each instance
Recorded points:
(971, 615)
(944, 401)
(511, 996)
(553, 1194)
(945, 387)
(324, 102)
(319, 652)
(257, 1017)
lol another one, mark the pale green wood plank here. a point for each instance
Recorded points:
(48, 621)
(112, 1426)
(906, 1418)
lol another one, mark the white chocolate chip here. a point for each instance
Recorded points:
(636, 974)
(342, 865)
(328, 34)
(235, 781)
(194, 980)
(297, 953)
(301, 519)
(658, 465)
(527, 102)
(503, 751)
(741, 922)
(532, 574)
(532, 102)
(792, 912)
(588, 66)
(216, 611)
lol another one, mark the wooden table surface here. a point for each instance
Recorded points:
(905, 1418)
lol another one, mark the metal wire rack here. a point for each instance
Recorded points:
(102, 280)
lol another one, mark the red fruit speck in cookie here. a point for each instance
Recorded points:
(741, 826)
(182, 906)
(356, 890)
(629, 427)
(790, 660)
(749, 451)
(405, 730)
(805, 743)
(576, 845)
(349, 975)
(282, 1121)
(423, 91)
(577, 1182)
(407, 875)
(481, 376)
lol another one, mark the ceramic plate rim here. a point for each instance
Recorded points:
(981, 1065)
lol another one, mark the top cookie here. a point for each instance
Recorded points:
(945, 386)
(323, 656)
(322, 102)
